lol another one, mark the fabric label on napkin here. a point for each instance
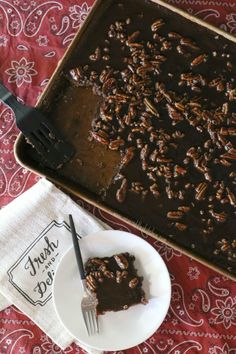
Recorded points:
(32, 274)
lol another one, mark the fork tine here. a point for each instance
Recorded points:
(91, 329)
(95, 321)
(43, 140)
(49, 131)
(86, 322)
(47, 134)
(37, 144)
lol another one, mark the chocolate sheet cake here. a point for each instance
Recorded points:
(148, 99)
(168, 108)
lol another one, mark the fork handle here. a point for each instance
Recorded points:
(77, 249)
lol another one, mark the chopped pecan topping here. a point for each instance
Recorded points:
(121, 261)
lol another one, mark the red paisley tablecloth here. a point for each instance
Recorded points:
(33, 37)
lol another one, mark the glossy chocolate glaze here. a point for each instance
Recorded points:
(114, 294)
(93, 166)
(152, 212)
(149, 211)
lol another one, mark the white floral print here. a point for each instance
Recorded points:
(21, 71)
(42, 41)
(79, 14)
(222, 350)
(193, 273)
(225, 312)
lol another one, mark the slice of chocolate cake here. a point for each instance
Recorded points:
(115, 282)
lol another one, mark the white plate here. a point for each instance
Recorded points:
(123, 329)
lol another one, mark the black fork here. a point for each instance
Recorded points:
(39, 131)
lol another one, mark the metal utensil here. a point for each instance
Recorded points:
(89, 301)
(39, 131)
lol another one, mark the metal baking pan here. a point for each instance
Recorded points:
(53, 94)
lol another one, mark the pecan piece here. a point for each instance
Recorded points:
(150, 107)
(173, 113)
(184, 208)
(96, 55)
(108, 86)
(187, 42)
(121, 261)
(223, 244)
(233, 243)
(133, 37)
(201, 191)
(232, 94)
(124, 274)
(91, 283)
(182, 50)
(116, 144)
(220, 217)
(98, 276)
(100, 137)
(157, 25)
(108, 274)
(144, 152)
(163, 160)
(159, 59)
(97, 261)
(225, 108)
(166, 45)
(144, 300)
(180, 171)
(128, 156)
(180, 226)
(231, 196)
(153, 155)
(174, 35)
(133, 283)
(175, 214)
(225, 162)
(142, 70)
(122, 191)
(105, 74)
(198, 60)
(118, 97)
(228, 131)
(180, 106)
(154, 190)
(118, 276)
(135, 45)
(214, 82)
(230, 155)
(77, 74)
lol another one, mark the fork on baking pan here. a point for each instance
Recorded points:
(39, 131)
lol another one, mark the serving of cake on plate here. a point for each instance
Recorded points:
(115, 281)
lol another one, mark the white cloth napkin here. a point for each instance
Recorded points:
(4, 303)
(34, 235)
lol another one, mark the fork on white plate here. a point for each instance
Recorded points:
(89, 300)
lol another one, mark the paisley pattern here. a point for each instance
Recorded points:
(34, 35)
(13, 18)
(178, 307)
